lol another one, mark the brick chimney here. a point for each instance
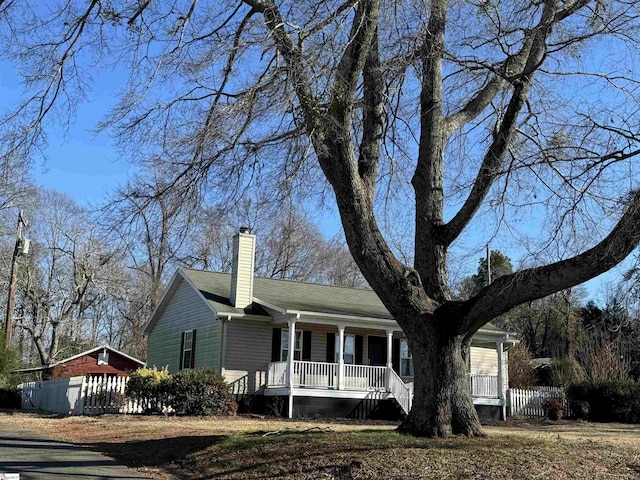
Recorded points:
(244, 252)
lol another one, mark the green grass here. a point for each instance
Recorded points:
(386, 454)
(237, 448)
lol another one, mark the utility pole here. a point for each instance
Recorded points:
(21, 248)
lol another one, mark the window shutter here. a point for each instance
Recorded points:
(306, 345)
(181, 350)
(395, 355)
(276, 344)
(193, 349)
(331, 348)
(359, 341)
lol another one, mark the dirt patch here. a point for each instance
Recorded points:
(248, 447)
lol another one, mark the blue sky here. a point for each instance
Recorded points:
(82, 165)
(79, 162)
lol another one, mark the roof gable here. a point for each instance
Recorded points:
(89, 352)
(81, 354)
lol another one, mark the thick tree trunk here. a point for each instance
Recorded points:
(442, 402)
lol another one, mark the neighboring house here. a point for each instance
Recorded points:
(350, 358)
(103, 361)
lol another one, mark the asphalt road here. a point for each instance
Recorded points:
(38, 458)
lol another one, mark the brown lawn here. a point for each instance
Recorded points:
(246, 447)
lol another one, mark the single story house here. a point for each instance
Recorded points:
(308, 349)
(103, 361)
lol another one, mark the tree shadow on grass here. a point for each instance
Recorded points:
(157, 452)
(288, 453)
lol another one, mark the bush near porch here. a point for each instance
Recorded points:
(201, 392)
(191, 392)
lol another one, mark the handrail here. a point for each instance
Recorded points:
(400, 390)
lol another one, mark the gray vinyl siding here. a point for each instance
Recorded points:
(484, 361)
(185, 311)
(319, 338)
(248, 352)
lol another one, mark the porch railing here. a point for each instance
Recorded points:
(325, 375)
(360, 377)
(484, 385)
(315, 374)
(364, 377)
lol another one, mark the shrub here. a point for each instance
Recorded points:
(201, 392)
(607, 401)
(579, 409)
(8, 363)
(149, 386)
(10, 398)
(520, 371)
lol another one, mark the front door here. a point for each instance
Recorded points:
(377, 347)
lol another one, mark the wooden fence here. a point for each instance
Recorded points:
(57, 396)
(85, 396)
(528, 403)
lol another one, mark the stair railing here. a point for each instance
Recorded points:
(400, 390)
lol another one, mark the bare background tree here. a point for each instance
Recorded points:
(467, 116)
(68, 274)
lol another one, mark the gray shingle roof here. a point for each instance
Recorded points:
(292, 296)
(289, 295)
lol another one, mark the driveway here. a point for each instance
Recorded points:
(38, 458)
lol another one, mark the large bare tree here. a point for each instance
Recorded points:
(467, 114)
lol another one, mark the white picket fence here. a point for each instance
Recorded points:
(528, 403)
(83, 396)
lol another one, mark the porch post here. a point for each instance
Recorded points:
(387, 382)
(224, 321)
(292, 348)
(340, 357)
(501, 394)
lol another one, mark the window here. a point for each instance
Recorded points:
(297, 351)
(349, 353)
(103, 358)
(188, 339)
(406, 360)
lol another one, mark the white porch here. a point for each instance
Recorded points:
(322, 379)
(366, 376)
